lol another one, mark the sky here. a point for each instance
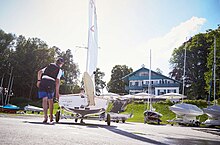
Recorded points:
(127, 29)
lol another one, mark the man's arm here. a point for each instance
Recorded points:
(39, 74)
(57, 89)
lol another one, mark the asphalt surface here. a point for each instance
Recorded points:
(29, 130)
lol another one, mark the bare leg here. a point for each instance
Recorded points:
(51, 109)
(45, 108)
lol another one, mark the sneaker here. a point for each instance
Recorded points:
(51, 122)
(45, 121)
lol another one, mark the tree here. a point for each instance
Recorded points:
(6, 49)
(71, 72)
(159, 71)
(198, 67)
(25, 57)
(116, 84)
(99, 83)
(210, 36)
(30, 55)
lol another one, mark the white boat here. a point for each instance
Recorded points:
(152, 116)
(79, 104)
(213, 111)
(86, 105)
(33, 109)
(186, 114)
(120, 117)
(187, 110)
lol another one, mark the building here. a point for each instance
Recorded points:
(138, 81)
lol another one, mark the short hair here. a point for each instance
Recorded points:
(60, 60)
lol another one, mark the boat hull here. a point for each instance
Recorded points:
(77, 103)
(187, 110)
(9, 108)
(152, 116)
(33, 108)
(213, 111)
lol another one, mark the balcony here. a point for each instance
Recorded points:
(133, 87)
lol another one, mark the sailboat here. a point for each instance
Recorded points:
(185, 113)
(150, 115)
(213, 111)
(86, 105)
(6, 106)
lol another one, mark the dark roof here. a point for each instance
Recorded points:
(143, 69)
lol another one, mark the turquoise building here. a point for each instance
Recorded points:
(138, 81)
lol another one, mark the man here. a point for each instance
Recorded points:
(49, 83)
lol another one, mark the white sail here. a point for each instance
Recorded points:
(92, 52)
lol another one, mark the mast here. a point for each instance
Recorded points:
(214, 68)
(9, 85)
(184, 73)
(10, 89)
(149, 84)
(1, 89)
(2, 80)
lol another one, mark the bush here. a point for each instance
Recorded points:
(22, 102)
(199, 103)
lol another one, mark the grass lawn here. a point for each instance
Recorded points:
(163, 108)
(139, 108)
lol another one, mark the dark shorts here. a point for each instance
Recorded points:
(46, 89)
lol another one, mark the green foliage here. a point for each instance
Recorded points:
(110, 106)
(138, 110)
(22, 102)
(163, 108)
(71, 72)
(99, 83)
(199, 63)
(199, 103)
(116, 84)
(218, 101)
(26, 57)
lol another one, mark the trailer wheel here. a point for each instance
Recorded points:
(123, 121)
(158, 122)
(57, 116)
(76, 120)
(117, 121)
(108, 119)
(197, 123)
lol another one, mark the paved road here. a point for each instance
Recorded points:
(28, 130)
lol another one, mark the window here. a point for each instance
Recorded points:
(136, 83)
(143, 74)
(165, 81)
